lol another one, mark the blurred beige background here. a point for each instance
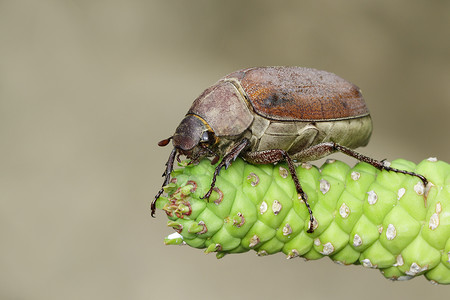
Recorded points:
(88, 87)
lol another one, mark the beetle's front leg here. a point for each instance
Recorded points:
(226, 162)
(276, 155)
(169, 168)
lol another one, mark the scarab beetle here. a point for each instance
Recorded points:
(269, 114)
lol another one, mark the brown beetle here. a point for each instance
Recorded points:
(270, 114)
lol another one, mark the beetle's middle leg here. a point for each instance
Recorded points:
(276, 155)
(226, 162)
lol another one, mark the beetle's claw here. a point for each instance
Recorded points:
(153, 205)
(153, 208)
(312, 224)
(207, 195)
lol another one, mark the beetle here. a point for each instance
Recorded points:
(269, 114)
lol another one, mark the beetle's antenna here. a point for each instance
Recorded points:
(164, 142)
(169, 168)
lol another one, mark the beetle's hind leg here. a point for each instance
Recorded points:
(324, 149)
(380, 165)
(276, 155)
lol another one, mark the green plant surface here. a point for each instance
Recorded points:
(382, 220)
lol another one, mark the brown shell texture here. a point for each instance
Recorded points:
(300, 94)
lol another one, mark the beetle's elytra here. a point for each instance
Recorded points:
(269, 114)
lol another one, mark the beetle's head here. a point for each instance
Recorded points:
(193, 138)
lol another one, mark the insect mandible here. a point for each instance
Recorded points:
(270, 114)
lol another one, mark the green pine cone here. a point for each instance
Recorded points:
(382, 220)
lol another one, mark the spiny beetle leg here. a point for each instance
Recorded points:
(276, 155)
(226, 162)
(324, 149)
(169, 168)
(380, 165)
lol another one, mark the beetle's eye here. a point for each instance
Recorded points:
(208, 137)
(205, 137)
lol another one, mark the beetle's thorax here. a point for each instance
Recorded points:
(224, 108)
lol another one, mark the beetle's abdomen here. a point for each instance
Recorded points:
(300, 94)
(296, 136)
